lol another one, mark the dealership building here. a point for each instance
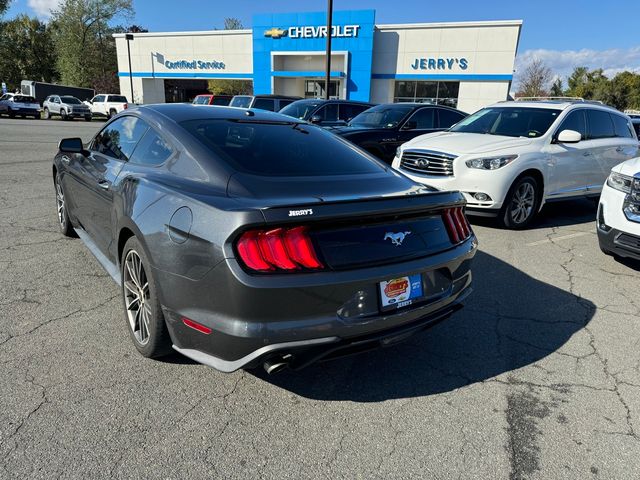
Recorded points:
(464, 64)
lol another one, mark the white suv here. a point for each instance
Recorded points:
(510, 158)
(619, 211)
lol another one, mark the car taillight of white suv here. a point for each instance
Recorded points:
(511, 158)
(618, 218)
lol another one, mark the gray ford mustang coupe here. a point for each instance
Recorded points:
(244, 238)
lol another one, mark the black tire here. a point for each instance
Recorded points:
(63, 114)
(157, 342)
(87, 118)
(11, 114)
(112, 112)
(36, 117)
(47, 114)
(64, 223)
(521, 204)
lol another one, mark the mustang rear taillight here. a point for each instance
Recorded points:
(457, 224)
(279, 249)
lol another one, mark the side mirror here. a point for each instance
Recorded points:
(410, 125)
(569, 136)
(315, 119)
(71, 145)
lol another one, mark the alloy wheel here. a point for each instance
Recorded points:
(61, 205)
(137, 297)
(523, 203)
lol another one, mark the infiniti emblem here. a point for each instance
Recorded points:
(422, 163)
(396, 238)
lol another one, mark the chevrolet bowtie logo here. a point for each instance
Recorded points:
(275, 32)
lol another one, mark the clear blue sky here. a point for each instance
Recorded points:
(565, 33)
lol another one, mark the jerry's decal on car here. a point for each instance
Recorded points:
(300, 213)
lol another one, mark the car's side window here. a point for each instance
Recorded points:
(575, 121)
(600, 125)
(328, 113)
(423, 118)
(448, 118)
(120, 137)
(265, 104)
(99, 99)
(152, 149)
(621, 126)
(347, 111)
(283, 103)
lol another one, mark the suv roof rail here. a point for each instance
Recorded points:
(631, 111)
(558, 99)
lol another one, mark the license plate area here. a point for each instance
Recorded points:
(401, 292)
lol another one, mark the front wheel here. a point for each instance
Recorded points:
(521, 204)
(145, 321)
(47, 114)
(87, 118)
(63, 114)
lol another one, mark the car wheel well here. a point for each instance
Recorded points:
(125, 234)
(536, 174)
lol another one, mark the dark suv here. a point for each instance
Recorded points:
(273, 103)
(383, 128)
(326, 112)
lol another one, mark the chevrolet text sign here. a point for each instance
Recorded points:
(337, 31)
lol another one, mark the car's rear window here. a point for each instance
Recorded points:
(282, 149)
(23, 99)
(70, 100)
(221, 100)
(117, 98)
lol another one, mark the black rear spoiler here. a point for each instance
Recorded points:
(369, 207)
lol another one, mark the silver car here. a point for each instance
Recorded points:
(66, 106)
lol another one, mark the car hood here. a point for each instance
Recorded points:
(465, 143)
(630, 167)
(276, 191)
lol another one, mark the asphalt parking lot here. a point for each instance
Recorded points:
(538, 377)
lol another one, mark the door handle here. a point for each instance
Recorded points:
(104, 184)
(586, 154)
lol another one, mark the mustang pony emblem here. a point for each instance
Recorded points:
(396, 238)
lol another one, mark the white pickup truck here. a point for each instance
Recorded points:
(105, 105)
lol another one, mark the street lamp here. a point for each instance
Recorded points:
(129, 37)
(328, 61)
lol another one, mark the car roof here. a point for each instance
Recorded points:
(555, 104)
(179, 112)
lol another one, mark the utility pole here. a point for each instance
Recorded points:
(328, 60)
(129, 36)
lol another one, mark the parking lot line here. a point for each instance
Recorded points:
(556, 239)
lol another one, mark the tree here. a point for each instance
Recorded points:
(85, 49)
(230, 87)
(556, 88)
(535, 79)
(25, 51)
(4, 6)
(231, 23)
(587, 84)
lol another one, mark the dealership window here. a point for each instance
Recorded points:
(440, 93)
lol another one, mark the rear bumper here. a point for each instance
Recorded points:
(310, 316)
(300, 354)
